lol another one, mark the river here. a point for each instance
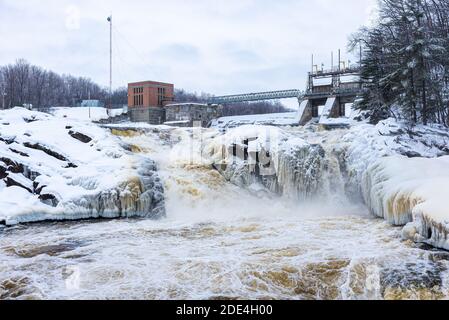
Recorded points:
(219, 241)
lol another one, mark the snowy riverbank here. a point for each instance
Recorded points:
(400, 173)
(58, 168)
(403, 176)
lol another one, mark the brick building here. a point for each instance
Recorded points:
(146, 101)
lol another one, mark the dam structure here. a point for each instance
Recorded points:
(328, 98)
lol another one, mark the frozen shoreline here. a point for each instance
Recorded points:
(55, 168)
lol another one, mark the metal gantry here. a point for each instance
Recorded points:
(259, 96)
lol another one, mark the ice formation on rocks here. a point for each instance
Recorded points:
(55, 168)
(402, 175)
(283, 164)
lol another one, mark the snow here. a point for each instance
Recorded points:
(281, 162)
(87, 180)
(403, 190)
(190, 104)
(176, 122)
(87, 114)
(318, 82)
(403, 176)
(350, 79)
(274, 119)
(325, 118)
(401, 173)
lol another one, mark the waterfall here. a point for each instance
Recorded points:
(281, 163)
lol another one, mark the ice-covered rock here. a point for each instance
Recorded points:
(411, 191)
(268, 156)
(403, 176)
(53, 168)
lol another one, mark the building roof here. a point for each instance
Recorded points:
(149, 82)
(189, 104)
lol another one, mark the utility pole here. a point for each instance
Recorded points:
(110, 62)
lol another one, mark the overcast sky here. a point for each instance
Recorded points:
(214, 46)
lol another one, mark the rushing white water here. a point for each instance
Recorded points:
(221, 241)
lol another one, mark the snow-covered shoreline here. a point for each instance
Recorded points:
(57, 168)
(411, 192)
(403, 177)
(400, 173)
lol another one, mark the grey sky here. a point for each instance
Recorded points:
(215, 46)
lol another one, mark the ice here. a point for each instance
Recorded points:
(403, 176)
(54, 176)
(399, 172)
(281, 162)
(415, 191)
(85, 113)
(274, 119)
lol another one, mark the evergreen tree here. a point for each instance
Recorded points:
(405, 61)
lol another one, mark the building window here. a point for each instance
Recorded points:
(138, 96)
(161, 96)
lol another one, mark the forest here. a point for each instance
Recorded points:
(405, 61)
(23, 83)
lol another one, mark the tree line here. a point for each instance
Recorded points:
(22, 83)
(405, 61)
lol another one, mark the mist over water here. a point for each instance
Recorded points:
(221, 240)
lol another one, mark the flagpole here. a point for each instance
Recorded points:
(110, 62)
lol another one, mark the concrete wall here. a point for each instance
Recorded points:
(192, 113)
(153, 116)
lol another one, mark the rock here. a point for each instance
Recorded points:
(80, 137)
(49, 199)
(23, 154)
(11, 182)
(13, 166)
(411, 154)
(38, 188)
(31, 119)
(7, 140)
(3, 173)
(40, 147)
